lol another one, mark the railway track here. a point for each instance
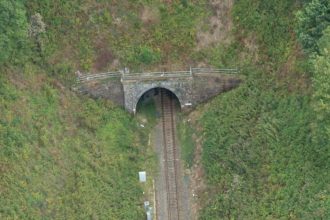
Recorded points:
(170, 156)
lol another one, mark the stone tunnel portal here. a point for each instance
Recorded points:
(152, 96)
(134, 90)
(190, 90)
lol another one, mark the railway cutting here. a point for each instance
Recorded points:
(171, 156)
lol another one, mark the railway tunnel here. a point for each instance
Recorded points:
(190, 87)
(152, 99)
(165, 105)
(162, 96)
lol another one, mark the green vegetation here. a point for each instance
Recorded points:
(321, 86)
(265, 159)
(98, 34)
(146, 56)
(266, 144)
(13, 34)
(65, 157)
(147, 112)
(187, 144)
(312, 20)
(271, 23)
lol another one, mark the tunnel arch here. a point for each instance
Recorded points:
(134, 90)
(141, 94)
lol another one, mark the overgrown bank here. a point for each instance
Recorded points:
(64, 156)
(266, 151)
(266, 144)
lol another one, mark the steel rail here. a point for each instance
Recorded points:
(170, 152)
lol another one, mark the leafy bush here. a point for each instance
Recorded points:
(147, 56)
(266, 147)
(271, 23)
(260, 157)
(321, 99)
(312, 20)
(64, 157)
(13, 34)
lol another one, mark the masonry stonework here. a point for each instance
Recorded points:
(134, 89)
(190, 90)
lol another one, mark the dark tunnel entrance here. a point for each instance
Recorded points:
(157, 109)
(149, 103)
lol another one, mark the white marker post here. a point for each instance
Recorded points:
(142, 176)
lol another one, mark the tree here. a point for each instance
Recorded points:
(321, 82)
(312, 20)
(13, 30)
(36, 28)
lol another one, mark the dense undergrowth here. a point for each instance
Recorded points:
(266, 144)
(266, 159)
(112, 34)
(65, 157)
(266, 151)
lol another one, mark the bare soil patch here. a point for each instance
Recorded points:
(149, 15)
(104, 55)
(219, 25)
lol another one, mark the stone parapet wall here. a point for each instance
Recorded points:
(207, 86)
(111, 89)
(190, 91)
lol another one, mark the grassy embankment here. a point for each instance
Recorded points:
(265, 150)
(65, 156)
